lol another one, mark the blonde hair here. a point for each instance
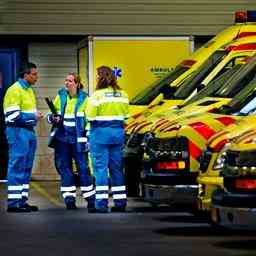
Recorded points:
(77, 80)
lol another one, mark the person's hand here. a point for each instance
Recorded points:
(39, 115)
(56, 119)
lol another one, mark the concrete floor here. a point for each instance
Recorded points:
(141, 231)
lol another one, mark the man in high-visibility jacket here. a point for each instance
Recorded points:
(20, 118)
(107, 110)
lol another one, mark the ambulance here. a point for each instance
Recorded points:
(222, 60)
(173, 151)
(213, 159)
(165, 88)
(220, 66)
(234, 205)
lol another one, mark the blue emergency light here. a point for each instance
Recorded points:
(251, 16)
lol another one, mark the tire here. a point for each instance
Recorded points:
(132, 168)
(154, 205)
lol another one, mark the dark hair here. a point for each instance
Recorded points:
(26, 69)
(106, 78)
(77, 80)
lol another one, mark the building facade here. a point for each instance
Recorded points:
(48, 33)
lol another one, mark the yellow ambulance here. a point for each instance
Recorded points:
(234, 204)
(221, 67)
(173, 151)
(200, 102)
(213, 158)
(222, 60)
(245, 23)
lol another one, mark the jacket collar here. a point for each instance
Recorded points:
(24, 84)
(81, 95)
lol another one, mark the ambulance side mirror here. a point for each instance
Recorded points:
(157, 99)
(168, 91)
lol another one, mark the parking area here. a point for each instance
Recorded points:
(143, 230)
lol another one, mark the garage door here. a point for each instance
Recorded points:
(54, 61)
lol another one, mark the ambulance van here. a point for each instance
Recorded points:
(234, 205)
(173, 151)
(164, 89)
(222, 61)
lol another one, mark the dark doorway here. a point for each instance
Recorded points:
(9, 64)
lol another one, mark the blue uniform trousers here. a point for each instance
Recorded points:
(107, 160)
(64, 154)
(22, 147)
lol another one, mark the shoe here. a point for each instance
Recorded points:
(71, 206)
(18, 209)
(32, 208)
(91, 205)
(94, 210)
(118, 209)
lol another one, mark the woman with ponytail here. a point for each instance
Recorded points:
(106, 112)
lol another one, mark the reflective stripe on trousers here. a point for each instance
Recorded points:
(64, 153)
(107, 162)
(22, 147)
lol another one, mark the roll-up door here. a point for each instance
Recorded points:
(54, 62)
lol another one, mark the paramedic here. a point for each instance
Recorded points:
(106, 111)
(21, 117)
(68, 138)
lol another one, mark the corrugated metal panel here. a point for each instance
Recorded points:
(2, 9)
(54, 61)
(131, 17)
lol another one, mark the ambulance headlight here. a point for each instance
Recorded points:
(219, 162)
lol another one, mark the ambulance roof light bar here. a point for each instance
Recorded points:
(251, 16)
(245, 16)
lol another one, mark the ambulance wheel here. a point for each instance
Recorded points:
(132, 177)
(154, 205)
(201, 214)
(218, 227)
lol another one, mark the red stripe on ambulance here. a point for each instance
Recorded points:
(194, 150)
(203, 129)
(226, 120)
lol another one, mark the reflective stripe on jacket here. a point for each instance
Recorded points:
(107, 108)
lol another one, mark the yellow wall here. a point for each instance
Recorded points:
(140, 61)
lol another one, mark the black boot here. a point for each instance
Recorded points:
(18, 209)
(91, 206)
(32, 208)
(71, 206)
